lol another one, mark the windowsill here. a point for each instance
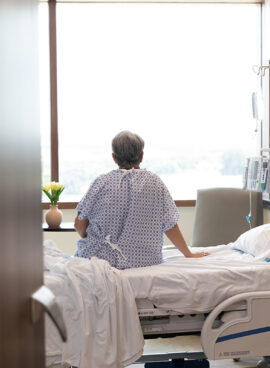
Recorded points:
(73, 205)
(61, 205)
(179, 203)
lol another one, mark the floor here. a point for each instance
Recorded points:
(189, 344)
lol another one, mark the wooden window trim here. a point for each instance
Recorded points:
(73, 205)
(53, 90)
(179, 203)
(162, 1)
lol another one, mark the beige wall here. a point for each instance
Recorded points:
(266, 216)
(67, 241)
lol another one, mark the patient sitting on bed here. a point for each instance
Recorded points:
(124, 214)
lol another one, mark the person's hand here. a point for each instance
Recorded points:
(199, 255)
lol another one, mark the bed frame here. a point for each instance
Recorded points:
(237, 328)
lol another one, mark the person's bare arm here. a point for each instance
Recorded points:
(81, 226)
(176, 237)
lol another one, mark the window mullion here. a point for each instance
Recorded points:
(53, 88)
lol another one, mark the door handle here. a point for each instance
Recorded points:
(44, 300)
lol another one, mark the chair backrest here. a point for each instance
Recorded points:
(220, 215)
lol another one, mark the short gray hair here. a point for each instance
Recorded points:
(127, 148)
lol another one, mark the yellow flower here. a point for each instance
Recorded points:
(53, 191)
(56, 186)
(47, 187)
(53, 185)
(59, 185)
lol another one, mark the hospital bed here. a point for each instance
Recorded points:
(224, 297)
(234, 320)
(237, 328)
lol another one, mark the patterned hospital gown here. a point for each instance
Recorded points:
(128, 213)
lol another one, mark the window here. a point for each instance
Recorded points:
(44, 81)
(180, 75)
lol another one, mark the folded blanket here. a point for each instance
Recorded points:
(99, 310)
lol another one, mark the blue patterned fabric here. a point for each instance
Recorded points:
(128, 213)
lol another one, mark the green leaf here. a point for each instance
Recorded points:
(48, 195)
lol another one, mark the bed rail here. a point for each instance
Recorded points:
(238, 334)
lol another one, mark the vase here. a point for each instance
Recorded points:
(54, 216)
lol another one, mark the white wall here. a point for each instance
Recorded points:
(67, 241)
(265, 61)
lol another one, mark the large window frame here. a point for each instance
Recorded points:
(53, 91)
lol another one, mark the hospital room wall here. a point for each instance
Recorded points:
(67, 241)
(266, 78)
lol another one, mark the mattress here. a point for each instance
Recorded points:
(189, 285)
(198, 285)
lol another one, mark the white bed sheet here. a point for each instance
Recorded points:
(197, 285)
(99, 310)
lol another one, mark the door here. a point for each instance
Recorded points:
(21, 341)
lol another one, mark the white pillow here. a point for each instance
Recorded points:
(255, 242)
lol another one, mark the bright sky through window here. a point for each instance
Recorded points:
(180, 75)
(44, 82)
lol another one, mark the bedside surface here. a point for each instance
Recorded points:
(65, 226)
